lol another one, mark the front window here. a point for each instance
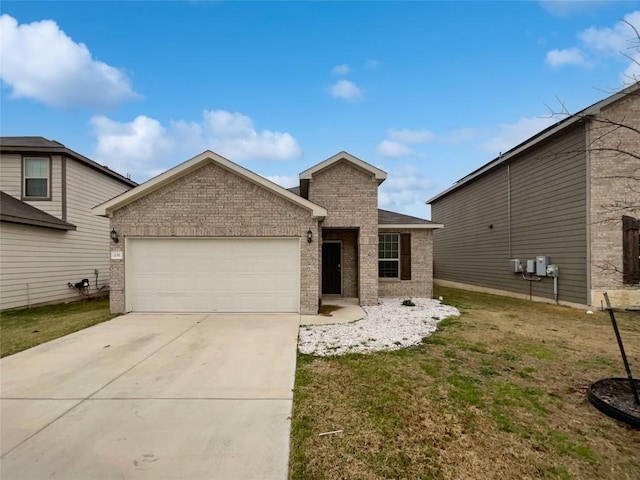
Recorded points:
(36, 178)
(388, 255)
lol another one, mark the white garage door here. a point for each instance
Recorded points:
(213, 275)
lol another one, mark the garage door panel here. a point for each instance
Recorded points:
(213, 275)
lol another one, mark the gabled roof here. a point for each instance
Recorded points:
(548, 132)
(35, 145)
(193, 164)
(388, 219)
(13, 210)
(379, 175)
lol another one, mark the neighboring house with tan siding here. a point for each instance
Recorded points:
(48, 236)
(210, 236)
(571, 194)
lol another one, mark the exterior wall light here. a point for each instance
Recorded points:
(309, 236)
(114, 236)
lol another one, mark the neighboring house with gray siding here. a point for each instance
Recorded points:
(211, 236)
(48, 236)
(570, 193)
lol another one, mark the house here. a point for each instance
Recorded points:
(568, 198)
(48, 236)
(210, 236)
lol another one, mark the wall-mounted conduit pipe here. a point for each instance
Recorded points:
(530, 280)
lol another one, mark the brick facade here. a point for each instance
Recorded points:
(350, 196)
(421, 283)
(615, 191)
(215, 202)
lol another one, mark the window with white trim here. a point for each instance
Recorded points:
(388, 255)
(36, 177)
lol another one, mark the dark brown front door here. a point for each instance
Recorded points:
(331, 273)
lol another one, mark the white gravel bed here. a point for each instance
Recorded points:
(387, 326)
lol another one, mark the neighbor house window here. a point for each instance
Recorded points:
(388, 255)
(630, 250)
(36, 178)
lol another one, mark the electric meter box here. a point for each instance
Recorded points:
(515, 266)
(541, 265)
(552, 270)
(531, 266)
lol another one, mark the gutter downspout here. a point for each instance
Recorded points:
(508, 205)
(587, 154)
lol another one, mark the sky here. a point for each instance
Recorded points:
(426, 91)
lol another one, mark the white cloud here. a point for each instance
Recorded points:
(567, 56)
(341, 69)
(510, 135)
(144, 147)
(632, 72)
(618, 41)
(396, 145)
(411, 136)
(611, 41)
(604, 44)
(233, 135)
(286, 181)
(133, 148)
(347, 90)
(405, 191)
(391, 149)
(39, 61)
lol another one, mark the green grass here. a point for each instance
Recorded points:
(498, 392)
(466, 390)
(22, 329)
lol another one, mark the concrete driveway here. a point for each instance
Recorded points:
(153, 396)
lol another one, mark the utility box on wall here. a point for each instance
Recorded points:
(552, 270)
(515, 266)
(541, 265)
(531, 266)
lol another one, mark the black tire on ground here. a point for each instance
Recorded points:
(613, 397)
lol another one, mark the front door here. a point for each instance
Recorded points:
(331, 271)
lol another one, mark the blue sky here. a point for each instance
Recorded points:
(427, 91)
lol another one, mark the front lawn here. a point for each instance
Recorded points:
(498, 393)
(22, 329)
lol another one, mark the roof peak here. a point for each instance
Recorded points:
(380, 175)
(193, 164)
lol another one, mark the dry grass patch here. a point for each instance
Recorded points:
(498, 393)
(22, 329)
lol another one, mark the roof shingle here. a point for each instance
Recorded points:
(27, 145)
(386, 217)
(13, 210)
(38, 142)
